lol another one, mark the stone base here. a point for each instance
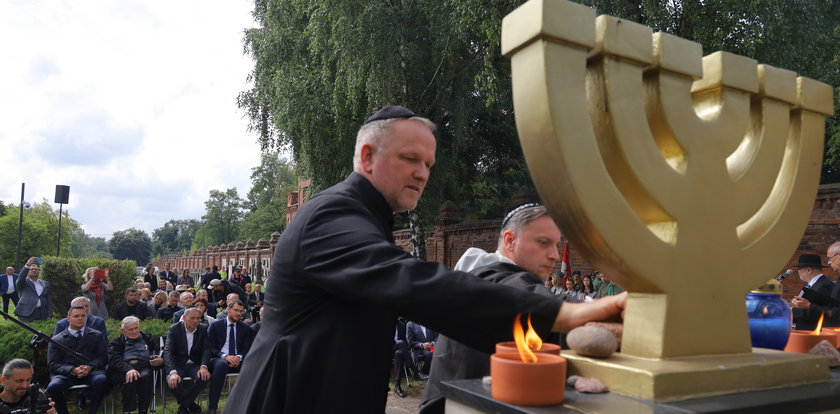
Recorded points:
(677, 379)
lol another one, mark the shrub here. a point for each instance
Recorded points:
(65, 278)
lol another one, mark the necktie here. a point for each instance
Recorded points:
(231, 341)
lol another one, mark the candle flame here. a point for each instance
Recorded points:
(819, 325)
(531, 338)
(523, 346)
(765, 310)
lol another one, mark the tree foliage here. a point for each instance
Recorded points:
(320, 67)
(174, 236)
(221, 220)
(87, 246)
(39, 232)
(131, 244)
(271, 182)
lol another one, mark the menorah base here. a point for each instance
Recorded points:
(676, 379)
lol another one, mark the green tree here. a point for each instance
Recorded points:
(271, 182)
(87, 246)
(321, 66)
(174, 236)
(221, 220)
(38, 237)
(131, 244)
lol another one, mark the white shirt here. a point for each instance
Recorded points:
(225, 347)
(11, 288)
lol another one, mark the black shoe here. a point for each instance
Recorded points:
(420, 376)
(399, 391)
(81, 403)
(183, 410)
(195, 408)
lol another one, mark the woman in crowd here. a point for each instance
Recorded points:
(201, 304)
(96, 283)
(150, 275)
(145, 295)
(158, 301)
(588, 289)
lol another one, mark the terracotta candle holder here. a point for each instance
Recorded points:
(510, 348)
(802, 341)
(522, 383)
(832, 331)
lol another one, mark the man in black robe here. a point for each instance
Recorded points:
(338, 283)
(526, 255)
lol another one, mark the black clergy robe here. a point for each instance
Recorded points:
(337, 284)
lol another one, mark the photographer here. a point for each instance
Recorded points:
(96, 284)
(15, 397)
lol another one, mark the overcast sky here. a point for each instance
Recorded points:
(130, 103)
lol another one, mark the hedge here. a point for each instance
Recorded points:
(14, 338)
(65, 278)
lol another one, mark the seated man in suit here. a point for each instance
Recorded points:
(66, 371)
(130, 363)
(93, 321)
(186, 300)
(421, 340)
(187, 354)
(810, 266)
(35, 303)
(230, 340)
(402, 356)
(165, 313)
(255, 301)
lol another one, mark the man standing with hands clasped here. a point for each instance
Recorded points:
(337, 274)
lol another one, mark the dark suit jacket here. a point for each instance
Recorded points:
(414, 335)
(29, 296)
(218, 333)
(175, 351)
(141, 310)
(255, 297)
(93, 322)
(807, 319)
(169, 276)
(4, 282)
(92, 345)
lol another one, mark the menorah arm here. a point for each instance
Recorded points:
(755, 164)
(644, 169)
(551, 114)
(769, 236)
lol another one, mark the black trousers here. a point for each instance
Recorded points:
(186, 395)
(138, 393)
(403, 358)
(13, 297)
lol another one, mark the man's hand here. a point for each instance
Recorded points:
(572, 315)
(132, 375)
(31, 261)
(800, 303)
(156, 361)
(173, 380)
(52, 406)
(233, 360)
(203, 374)
(81, 371)
(426, 345)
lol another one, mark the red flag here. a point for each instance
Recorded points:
(566, 265)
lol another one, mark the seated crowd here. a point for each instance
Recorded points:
(210, 335)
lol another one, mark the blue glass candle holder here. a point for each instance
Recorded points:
(769, 316)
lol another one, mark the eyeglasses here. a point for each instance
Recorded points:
(832, 256)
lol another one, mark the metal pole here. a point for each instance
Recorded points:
(20, 227)
(58, 244)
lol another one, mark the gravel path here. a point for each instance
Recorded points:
(407, 405)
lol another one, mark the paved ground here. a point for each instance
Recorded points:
(407, 405)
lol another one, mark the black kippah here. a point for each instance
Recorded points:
(388, 112)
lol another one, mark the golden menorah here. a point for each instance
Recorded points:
(686, 179)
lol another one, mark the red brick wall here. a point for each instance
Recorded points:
(447, 242)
